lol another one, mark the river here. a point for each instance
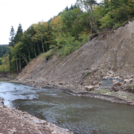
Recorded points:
(82, 115)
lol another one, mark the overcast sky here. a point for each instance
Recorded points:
(27, 12)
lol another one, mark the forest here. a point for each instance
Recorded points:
(3, 50)
(66, 32)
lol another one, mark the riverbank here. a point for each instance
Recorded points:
(14, 121)
(121, 97)
(7, 76)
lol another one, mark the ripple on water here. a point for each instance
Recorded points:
(79, 114)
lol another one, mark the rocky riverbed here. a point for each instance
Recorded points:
(103, 93)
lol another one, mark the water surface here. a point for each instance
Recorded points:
(80, 114)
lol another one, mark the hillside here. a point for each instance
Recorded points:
(110, 54)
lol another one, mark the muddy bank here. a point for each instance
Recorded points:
(19, 122)
(82, 93)
(7, 76)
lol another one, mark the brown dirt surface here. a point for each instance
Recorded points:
(10, 124)
(109, 55)
(13, 121)
(89, 64)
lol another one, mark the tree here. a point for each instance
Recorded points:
(87, 4)
(12, 35)
(18, 34)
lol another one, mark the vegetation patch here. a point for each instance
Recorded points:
(131, 85)
(86, 74)
(47, 55)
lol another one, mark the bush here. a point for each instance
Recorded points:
(49, 54)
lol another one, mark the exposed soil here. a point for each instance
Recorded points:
(89, 64)
(102, 59)
(13, 121)
(113, 52)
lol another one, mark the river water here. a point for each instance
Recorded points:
(80, 114)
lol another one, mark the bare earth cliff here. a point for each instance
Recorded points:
(110, 54)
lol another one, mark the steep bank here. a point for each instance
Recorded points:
(98, 63)
(112, 51)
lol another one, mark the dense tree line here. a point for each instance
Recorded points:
(3, 50)
(66, 32)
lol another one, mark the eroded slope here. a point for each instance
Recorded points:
(89, 64)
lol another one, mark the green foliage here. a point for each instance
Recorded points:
(64, 33)
(3, 50)
(67, 45)
(4, 67)
(85, 75)
(131, 85)
(47, 54)
(106, 21)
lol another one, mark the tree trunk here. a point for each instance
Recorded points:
(42, 45)
(38, 48)
(24, 57)
(29, 54)
(16, 65)
(91, 9)
(19, 62)
(34, 50)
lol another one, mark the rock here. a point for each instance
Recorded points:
(96, 86)
(61, 84)
(131, 76)
(116, 88)
(110, 75)
(89, 88)
(128, 81)
(111, 72)
(104, 78)
(93, 36)
(39, 121)
(95, 82)
(116, 83)
(100, 83)
(117, 77)
(12, 131)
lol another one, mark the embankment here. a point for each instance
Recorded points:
(110, 55)
(15, 121)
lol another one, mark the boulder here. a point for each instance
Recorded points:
(117, 77)
(89, 88)
(104, 78)
(97, 86)
(116, 88)
(116, 83)
(128, 81)
(111, 72)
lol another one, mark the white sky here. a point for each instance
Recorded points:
(27, 12)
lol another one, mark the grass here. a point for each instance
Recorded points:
(130, 98)
(25, 71)
(102, 91)
(110, 93)
(131, 85)
(85, 75)
(123, 97)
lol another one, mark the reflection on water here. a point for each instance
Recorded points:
(79, 114)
